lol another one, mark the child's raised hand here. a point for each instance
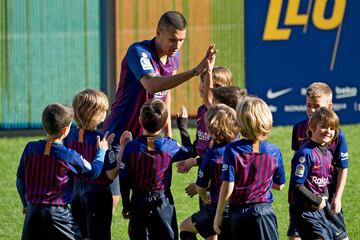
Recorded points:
(105, 142)
(125, 138)
(183, 112)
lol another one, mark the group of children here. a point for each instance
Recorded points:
(63, 181)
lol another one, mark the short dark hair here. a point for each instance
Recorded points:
(229, 95)
(55, 117)
(153, 115)
(174, 19)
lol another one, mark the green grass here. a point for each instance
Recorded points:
(11, 218)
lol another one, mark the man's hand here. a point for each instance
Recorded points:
(191, 190)
(209, 56)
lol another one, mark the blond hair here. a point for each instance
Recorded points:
(89, 108)
(319, 90)
(254, 118)
(326, 117)
(222, 76)
(221, 123)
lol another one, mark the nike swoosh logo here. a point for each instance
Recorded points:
(271, 95)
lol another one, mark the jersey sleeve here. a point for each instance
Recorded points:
(279, 174)
(301, 166)
(110, 157)
(228, 167)
(177, 151)
(139, 61)
(340, 153)
(203, 177)
(20, 179)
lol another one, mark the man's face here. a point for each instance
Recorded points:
(314, 103)
(170, 40)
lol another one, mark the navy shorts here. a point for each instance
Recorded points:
(49, 222)
(292, 232)
(92, 210)
(337, 223)
(153, 216)
(257, 221)
(311, 224)
(204, 222)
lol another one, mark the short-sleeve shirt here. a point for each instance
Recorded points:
(146, 163)
(84, 142)
(253, 169)
(310, 167)
(210, 171)
(338, 148)
(47, 170)
(140, 60)
(202, 135)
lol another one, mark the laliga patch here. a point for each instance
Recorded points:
(145, 62)
(301, 159)
(201, 174)
(344, 156)
(112, 156)
(299, 171)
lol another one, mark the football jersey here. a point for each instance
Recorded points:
(310, 167)
(202, 135)
(84, 142)
(253, 168)
(47, 168)
(146, 163)
(140, 60)
(210, 171)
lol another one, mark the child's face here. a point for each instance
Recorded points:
(201, 87)
(322, 134)
(314, 103)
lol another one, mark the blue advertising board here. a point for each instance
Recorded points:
(291, 43)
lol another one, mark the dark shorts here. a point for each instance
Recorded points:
(92, 210)
(256, 221)
(153, 216)
(311, 224)
(49, 222)
(115, 186)
(292, 232)
(337, 223)
(204, 222)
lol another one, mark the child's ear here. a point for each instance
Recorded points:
(330, 106)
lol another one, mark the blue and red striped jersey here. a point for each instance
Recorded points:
(338, 148)
(47, 170)
(253, 168)
(210, 171)
(140, 60)
(202, 135)
(146, 163)
(84, 142)
(310, 167)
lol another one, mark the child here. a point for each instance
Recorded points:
(310, 173)
(252, 166)
(319, 94)
(44, 177)
(221, 124)
(146, 170)
(92, 199)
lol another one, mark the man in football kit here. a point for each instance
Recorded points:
(148, 70)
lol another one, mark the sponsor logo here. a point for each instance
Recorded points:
(301, 159)
(303, 91)
(271, 95)
(345, 92)
(225, 167)
(295, 108)
(201, 174)
(145, 62)
(319, 181)
(204, 136)
(273, 108)
(299, 171)
(356, 106)
(339, 106)
(344, 156)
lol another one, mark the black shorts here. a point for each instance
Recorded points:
(311, 224)
(49, 222)
(204, 222)
(257, 221)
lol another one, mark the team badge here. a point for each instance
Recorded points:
(299, 171)
(145, 62)
(225, 167)
(201, 174)
(301, 159)
(112, 156)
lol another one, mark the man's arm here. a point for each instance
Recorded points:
(154, 84)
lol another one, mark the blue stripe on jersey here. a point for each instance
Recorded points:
(140, 60)
(210, 171)
(147, 170)
(310, 167)
(253, 173)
